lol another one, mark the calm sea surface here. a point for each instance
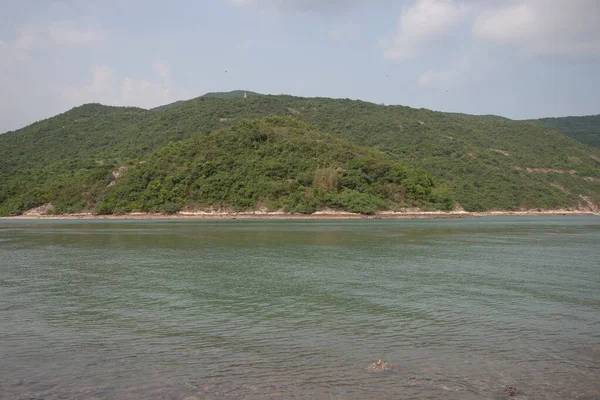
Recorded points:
(283, 309)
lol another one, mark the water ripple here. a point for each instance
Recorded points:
(254, 310)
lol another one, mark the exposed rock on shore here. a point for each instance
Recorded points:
(39, 211)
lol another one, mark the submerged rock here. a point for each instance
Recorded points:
(511, 390)
(379, 365)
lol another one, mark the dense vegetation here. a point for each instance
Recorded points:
(486, 162)
(585, 129)
(275, 163)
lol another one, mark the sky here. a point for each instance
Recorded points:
(516, 58)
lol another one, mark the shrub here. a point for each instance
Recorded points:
(326, 179)
(170, 208)
(306, 206)
(362, 203)
(103, 208)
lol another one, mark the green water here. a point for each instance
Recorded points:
(282, 309)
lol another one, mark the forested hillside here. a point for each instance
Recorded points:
(487, 163)
(276, 163)
(586, 129)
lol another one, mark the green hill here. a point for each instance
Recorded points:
(274, 163)
(487, 163)
(585, 129)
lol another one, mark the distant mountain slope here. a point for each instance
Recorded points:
(68, 142)
(488, 163)
(586, 129)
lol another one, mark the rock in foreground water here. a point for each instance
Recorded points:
(379, 365)
(511, 390)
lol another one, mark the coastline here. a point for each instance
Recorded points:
(323, 215)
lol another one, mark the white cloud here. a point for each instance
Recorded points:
(105, 88)
(27, 40)
(29, 80)
(447, 78)
(162, 69)
(551, 27)
(56, 33)
(141, 93)
(102, 88)
(343, 31)
(301, 5)
(422, 24)
(24, 86)
(61, 34)
(539, 27)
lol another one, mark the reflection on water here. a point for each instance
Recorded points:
(281, 309)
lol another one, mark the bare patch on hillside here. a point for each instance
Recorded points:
(117, 173)
(399, 123)
(458, 208)
(590, 205)
(561, 188)
(547, 170)
(500, 151)
(41, 210)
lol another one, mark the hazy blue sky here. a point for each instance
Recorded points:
(516, 58)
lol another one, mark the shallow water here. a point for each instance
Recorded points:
(281, 309)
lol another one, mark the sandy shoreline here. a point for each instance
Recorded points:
(330, 215)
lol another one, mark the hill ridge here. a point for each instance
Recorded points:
(484, 161)
(585, 128)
